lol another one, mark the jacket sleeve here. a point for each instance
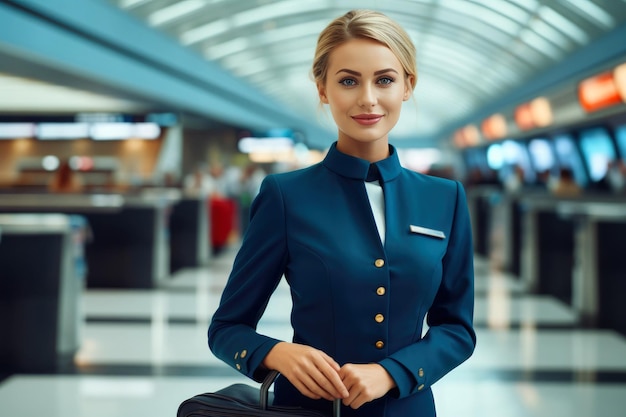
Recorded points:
(450, 338)
(257, 270)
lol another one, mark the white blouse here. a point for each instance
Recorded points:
(377, 203)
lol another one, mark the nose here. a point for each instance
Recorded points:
(367, 98)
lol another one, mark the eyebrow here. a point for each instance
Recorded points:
(358, 74)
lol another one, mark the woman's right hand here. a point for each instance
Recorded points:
(311, 371)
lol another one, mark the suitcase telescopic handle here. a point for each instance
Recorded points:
(265, 389)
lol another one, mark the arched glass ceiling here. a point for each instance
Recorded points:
(470, 52)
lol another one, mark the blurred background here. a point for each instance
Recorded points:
(134, 135)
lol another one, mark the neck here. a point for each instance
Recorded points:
(370, 151)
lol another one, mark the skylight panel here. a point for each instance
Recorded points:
(174, 11)
(203, 32)
(221, 50)
(563, 24)
(508, 9)
(127, 4)
(591, 11)
(530, 37)
(277, 9)
(483, 14)
(550, 33)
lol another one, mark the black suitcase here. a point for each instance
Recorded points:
(241, 400)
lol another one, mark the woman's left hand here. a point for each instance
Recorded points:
(365, 382)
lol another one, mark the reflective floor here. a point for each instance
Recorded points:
(143, 352)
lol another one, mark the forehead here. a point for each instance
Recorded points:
(362, 55)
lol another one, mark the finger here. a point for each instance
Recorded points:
(335, 377)
(356, 399)
(331, 361)
(357, 402)
(312, 382)
(325, 381)
(332, 382)
(305, 391)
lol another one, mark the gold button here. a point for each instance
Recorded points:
(420, 373)
(244, 353)
(380, 290)
(238, 367)
(380, 344)
(379, 263)
(421, 387)
(379, 318)
(236, 355)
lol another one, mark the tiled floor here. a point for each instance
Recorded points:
(143, 352)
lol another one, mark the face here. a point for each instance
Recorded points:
(365, 87)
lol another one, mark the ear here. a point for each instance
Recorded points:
(321, 91)
(409, 85)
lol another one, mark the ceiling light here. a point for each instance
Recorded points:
(174, 11)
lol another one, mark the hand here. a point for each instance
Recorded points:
(311, 371)
(365, 382)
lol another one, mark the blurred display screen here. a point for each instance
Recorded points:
(598, 151)
(541, 154)
(495, 157)
(55, 131)
(513, 155)
(620, 138)
(476, 159)
(568, 157)
(16, 130)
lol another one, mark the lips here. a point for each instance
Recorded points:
(367, 119)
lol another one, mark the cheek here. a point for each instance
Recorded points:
(339, 102)
(394, 100)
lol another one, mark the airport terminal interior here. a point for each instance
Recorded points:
(135, 134)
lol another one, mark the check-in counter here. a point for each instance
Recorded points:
(40, 290)
(130, 248)
(512, 208)
(547, 258)
(599, 276)
(189, 232)
(573, 249)
(130, 233)
(480, 201)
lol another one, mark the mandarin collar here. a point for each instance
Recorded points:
(356, 168)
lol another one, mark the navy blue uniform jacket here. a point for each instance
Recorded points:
(353, 298)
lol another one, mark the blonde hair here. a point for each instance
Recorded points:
(364, 24)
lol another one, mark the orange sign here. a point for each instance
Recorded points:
(620, 80)
(494, 127)
(524, 117)
(598, 92)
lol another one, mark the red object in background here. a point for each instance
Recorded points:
(598, 92)
(459, 139)
(619, 74)
(222, 214)
(524, 117)
(494, 127)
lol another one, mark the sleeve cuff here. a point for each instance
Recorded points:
(255, 370)
(404, 380)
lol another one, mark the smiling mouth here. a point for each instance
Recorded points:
(367, 119)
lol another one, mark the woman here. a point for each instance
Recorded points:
(365, 260)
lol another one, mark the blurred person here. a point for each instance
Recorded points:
(566, 185)
(223, 207)
(367, 247)
(217, 173)
(514, 182)
(250, 184)
(199, 181)
(65, 180)
(616, 176)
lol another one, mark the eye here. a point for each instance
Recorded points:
(385, 80)
(348, 82)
